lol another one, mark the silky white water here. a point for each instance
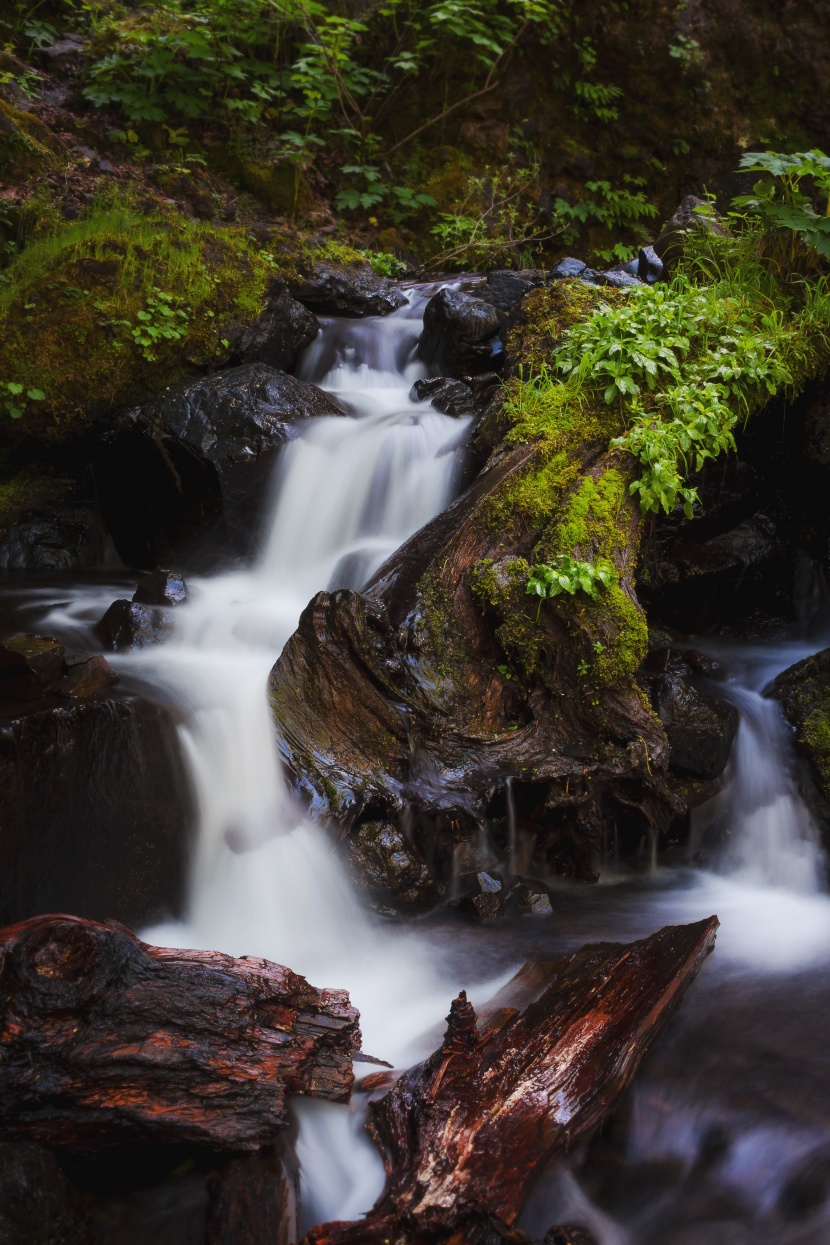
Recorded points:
(264, 881)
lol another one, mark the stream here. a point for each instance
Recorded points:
(725, 1137)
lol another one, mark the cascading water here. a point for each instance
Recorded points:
(347, 492)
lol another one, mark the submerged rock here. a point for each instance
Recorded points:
(460, 333)
(193, 466)
(452, 397)
(333, 290)
(128, 625)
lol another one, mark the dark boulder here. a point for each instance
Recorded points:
(650, 266)
(389, 869)
(692, 215)
(569, 1234)
(452, 397)
(161, 588)
(460, 333)
(127, 625)
(700, 728)
(280, 332)
(619, 278)
(505, 290)
(804, 693)
(49, 523)
(38, 1204)
(484, 901)
(569, 267)
(333, 290)
(95, 810)
(191, 469)
(530, 898)
(29, 666)
(85, 676)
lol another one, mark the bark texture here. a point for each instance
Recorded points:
(105, 1038)
(464, 1133)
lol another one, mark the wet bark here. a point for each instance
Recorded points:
(464, 1133)
(105, 1038)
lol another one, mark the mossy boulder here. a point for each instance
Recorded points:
(804, 693)
(278, 184)
(49, 519)
(27, 146)
(119, 304)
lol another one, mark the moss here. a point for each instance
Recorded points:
(29, 489)
(27, 147)
(72, 298)
(546, 314)
(278, 184)
(815, 738)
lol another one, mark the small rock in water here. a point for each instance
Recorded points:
(29, 666)
(452, 397)
(85, 676)
(489, 884)
(485, 907)
(569, 1234)
(161, 588)
(128, 625)
(531, 899)
(569, 267)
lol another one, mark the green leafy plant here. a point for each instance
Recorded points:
(783, 199)
(161, 321)
(15, 397)
(567, 574)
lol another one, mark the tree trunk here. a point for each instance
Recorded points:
(105, 1038)
(464, 1134)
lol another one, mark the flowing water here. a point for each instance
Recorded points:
(736, 1099)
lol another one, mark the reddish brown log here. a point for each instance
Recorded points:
(464, 1133)
(103, 1037)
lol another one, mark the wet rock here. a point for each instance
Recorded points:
(255, 1199)
(161, 588)
(485, 897)
(569, 267)
(693, 214)
(699, 727)
(48, 523)
(650, 266)
(530, 898)
(389, 869)
(280, 332)
(452, 397)
(804, 694)
(85, 676)
(697, 584)
(332, 290)
(192, 469)
(460, 333)
(505, 290)
(95, 811)
(618, 278)
(38, 1203)
(128, 625)
(569, 1234)
(29, 666)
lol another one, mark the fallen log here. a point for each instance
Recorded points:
(104, 1038)
(464, 1133)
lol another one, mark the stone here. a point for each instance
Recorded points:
(191, 470)
(38, 1203)
(505, 289)
(618, 278)
(700, 728)
(96, 810)
(569, 1234)
(86, 677)
(485, 897)
(54, 526)
(127, 625)
(388, 868)
(803, 691)
(355, 291)
(29, 666)
(460, 333)
(650, 266)
(161, 588)
(530, 898)
(568, 267)
(283, 329)
(452, 397)
(693, 214)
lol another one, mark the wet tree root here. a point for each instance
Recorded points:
(464, 1134)
(104, 1038)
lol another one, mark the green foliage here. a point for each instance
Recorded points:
(567, 574)
(385, 264)
(495, 224)
(160, 321)
(15, 397)
(615, 208)
(783, 200)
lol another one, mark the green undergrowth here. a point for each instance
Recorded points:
(74, 304)
(624, 397)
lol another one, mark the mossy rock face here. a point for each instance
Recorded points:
(804, 693)
(112, 308)
(278, 184)
(27, 146)
(48, 521)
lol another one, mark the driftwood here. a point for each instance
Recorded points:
(464, 1133)
(105, 1038)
